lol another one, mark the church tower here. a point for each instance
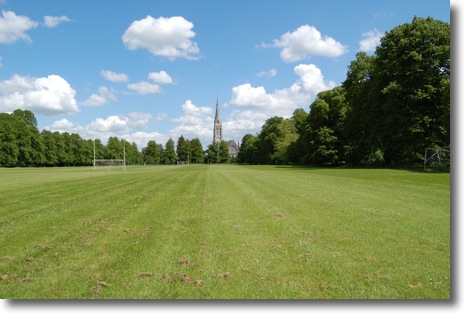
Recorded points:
(217, 133)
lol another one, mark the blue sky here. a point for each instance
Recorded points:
(152, 70)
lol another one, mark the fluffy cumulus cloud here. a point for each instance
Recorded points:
(282, 102)
(144, 88)
(304, 42)
(50, 95)
(244, 122)
(104, 95)
(195, 122)
(111, 126)
(62, 125)
(167, 37)
(160, 77)
(371, 40)
(114, 77)
(142, 138)
(271, 73)
(14, 27)
(139, 119)
(128, 126)
(54, 21)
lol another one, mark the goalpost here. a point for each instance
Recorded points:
(437, 157)
(109, 162)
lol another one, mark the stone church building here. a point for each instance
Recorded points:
(217, 133)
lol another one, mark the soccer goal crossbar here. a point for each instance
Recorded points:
(437, 157)
(109, 162)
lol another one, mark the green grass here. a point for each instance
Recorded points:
(220, 232)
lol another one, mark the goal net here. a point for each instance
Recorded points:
(109, 163)
(437, 157)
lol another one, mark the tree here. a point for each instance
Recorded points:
(133, 156)
(27, 116)
(197, 154)
(151, 153)
(183, 149)
(115, 148)
(224, 155)
(411, 68)
(299, 148)
(50, 153)
(362, 143)
(248, 150)
(169, 153)
(267, 139)
(212, 153)
(326, 122)
(287, 137)
(10, 126)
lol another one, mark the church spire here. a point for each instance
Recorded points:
(217, 132)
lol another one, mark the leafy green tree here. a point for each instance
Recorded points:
(170, 153)
(183, 149)
(50, 153)
(287, 137)
(151, 153)
(361, 141)
(326, 122)
(248, 150)
(27, 116)
(224, 156)
(212, 153)
(197, 154)
(115, 148)
(10, 126)
(299, 148)
(411, 68)
(267, 139)
(133, 156)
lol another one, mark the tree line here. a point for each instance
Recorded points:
(392, 106)
(21, 144)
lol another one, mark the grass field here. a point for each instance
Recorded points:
(224, 231)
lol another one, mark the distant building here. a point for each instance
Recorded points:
(233, 148)
(217, 133)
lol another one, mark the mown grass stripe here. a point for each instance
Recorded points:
(225, 232)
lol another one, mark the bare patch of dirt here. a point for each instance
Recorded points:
(99, 286)
(416, 286)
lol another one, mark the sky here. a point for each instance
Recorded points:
(153, 70)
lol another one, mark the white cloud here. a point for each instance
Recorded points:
(139, 119)
(241, 123)
(271, 73)
(161, 116)
(166, 37)
(160, 77)
(50, 95)
(142, 138)
(116, 125)
(103, 96)
(114, 77)
(62, 125)
(14, 27)
(111, 126)
(371, 40)
(144, 88)
(304, 42)
(282, 102)
(195, 122)
(53, 21)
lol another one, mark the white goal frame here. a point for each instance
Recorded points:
(109, 162)
(437, 157)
